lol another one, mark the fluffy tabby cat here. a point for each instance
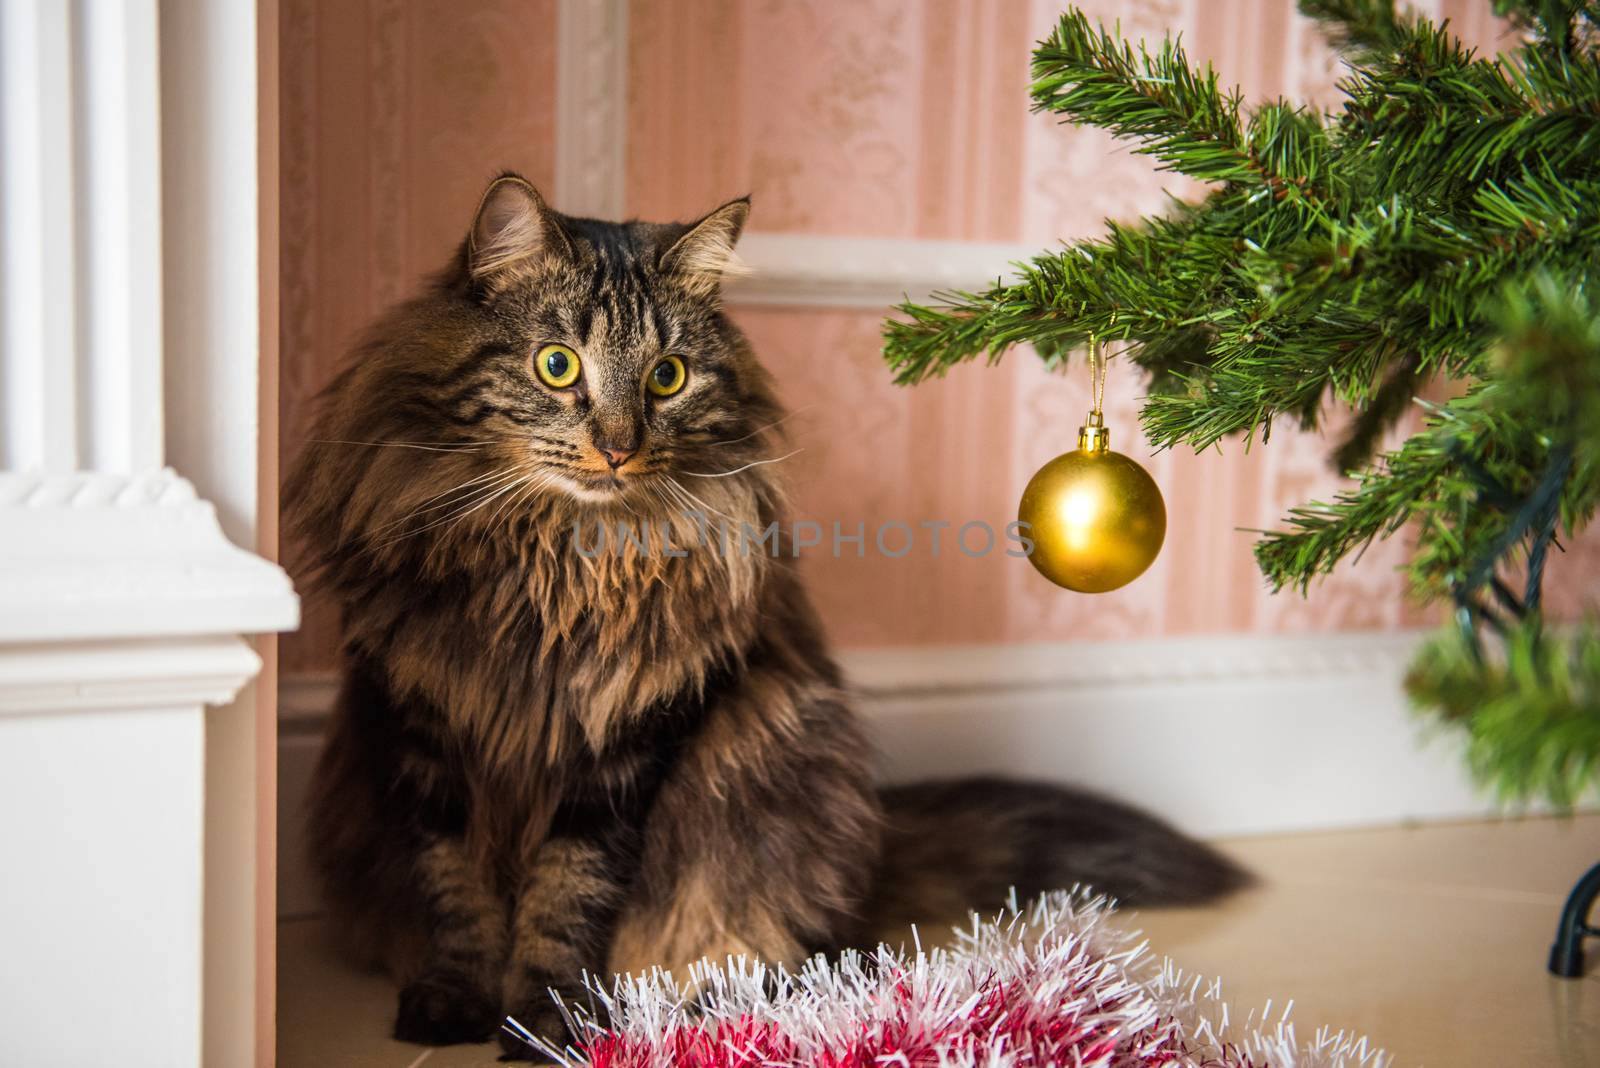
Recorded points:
(545, 763)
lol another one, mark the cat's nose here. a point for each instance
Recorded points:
(617, 457)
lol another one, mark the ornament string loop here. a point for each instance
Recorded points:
(1097, 377)
(1093, 435)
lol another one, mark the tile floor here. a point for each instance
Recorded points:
(1430, 940)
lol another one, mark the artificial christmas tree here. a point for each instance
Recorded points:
(1441, 225)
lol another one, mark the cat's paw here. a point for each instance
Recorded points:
(443, 1008)
(540, 1016)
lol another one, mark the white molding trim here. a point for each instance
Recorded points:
(158, 673)
(865, 272)
(1229, 735)
(591, 107)
(93, 555)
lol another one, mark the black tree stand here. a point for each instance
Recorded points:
(1566, 955)
(1535, 519)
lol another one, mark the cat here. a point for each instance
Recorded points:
(546, 762)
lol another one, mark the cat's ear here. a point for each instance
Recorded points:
(704, 256)
(513, 226)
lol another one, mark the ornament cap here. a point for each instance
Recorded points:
(1094, 435)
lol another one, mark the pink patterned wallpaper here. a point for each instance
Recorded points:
(394, 115)
(889, 118)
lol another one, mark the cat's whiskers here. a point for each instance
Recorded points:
(428, 506)
(622, 497)
(677, 499)
(427, 502)
(746, 467)
(519, 489)
(531, 485)
(513, 484)
(655, 495)
(482, 502)
(478, 496)
(662, 499)
(426, 446)
(761, 429)
(684, 490)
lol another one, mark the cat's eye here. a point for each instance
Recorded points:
(667, 377)
(557, 366)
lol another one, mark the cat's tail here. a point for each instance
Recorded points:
(954, 846)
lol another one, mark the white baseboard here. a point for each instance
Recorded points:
(1230, 735)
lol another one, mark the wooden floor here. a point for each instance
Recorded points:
(1432, 941)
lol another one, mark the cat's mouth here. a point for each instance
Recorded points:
(609, 480)
(598, 486)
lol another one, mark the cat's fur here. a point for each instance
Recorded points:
(544, 763)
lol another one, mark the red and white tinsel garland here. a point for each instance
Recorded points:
(1052, 984)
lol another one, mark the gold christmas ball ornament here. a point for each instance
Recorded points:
(1095, 516)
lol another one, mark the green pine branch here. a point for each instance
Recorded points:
(1113, 288)
(1427, 481)
(1542, 394)
(1365, 30)
(1530, 714)
(1177, 113)
(1557, 25)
